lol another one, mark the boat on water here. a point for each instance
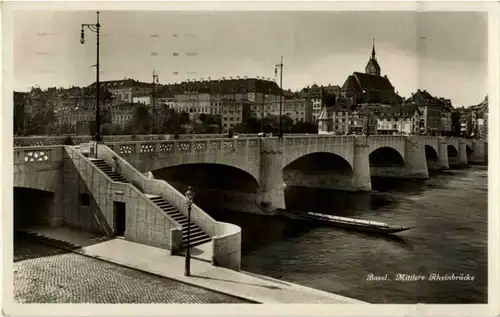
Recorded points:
(347, 223)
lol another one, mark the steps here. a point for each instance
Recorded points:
(198, 236)
(103, 166)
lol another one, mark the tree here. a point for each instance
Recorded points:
(172, 122)
(107, 128)
(286, 124)
(142, 121)
(207, 123)
(184, 117)
(128, 129)
(305, 127)
(117, 130)
(37, 123)
(251, 125)
(50, 129)
(271, 124)
(64, 128)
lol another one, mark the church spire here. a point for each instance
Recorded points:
(373, 68)
(373, 49)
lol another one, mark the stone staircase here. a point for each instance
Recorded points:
(103, 166)
(198, 236)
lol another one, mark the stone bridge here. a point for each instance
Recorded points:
(332, 162)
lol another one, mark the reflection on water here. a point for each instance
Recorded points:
(450, 215)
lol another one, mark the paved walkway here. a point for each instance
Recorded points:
(254, 287)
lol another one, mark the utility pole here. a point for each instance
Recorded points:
(264, 98)
(153, 101)
(96, 29)
(280, 66)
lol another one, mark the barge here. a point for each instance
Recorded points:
(346, 223)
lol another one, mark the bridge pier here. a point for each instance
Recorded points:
(271, 195)
(55, 218)
(462, 154)
(361, 167)
(443, 154)
(415, 161)
(478, 153)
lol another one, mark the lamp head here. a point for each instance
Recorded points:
(82, 37)
(189, 195)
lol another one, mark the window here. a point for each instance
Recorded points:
(84, 199)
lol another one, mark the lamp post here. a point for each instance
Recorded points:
(96, 29)
(189, 197)
(264, 98)
(153, 100)
(280, 66)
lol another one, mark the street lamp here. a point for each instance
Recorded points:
(280, 66)
(96, 29)
(189, 200)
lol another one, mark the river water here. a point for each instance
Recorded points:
(450, 215)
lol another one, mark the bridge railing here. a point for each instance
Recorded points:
(77, 139)
(182, 146)
(38, 154)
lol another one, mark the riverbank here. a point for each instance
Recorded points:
(245, 285)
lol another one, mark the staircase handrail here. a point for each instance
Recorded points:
(179, 203)
(156, 207)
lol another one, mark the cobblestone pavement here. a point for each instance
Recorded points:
(44, 274)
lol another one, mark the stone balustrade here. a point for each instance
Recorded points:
(182, 146)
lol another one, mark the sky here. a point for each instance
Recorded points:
(444, 53)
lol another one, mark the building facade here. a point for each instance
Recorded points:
(400, 120)
(299, 110)
(347, 118)
(431, 109)
(125, 90)
(315, 95)
(479, 114)
(446, 117)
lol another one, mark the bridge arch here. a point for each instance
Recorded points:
(32, 207)
(386, 162)
(319, 170)
(452, 151)
(431, 157)
(238, 160)
(217, 186)
(386, 157)
(44, 180)
(218, 176)
(431, 153)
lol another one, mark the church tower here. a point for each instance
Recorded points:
(373, 68)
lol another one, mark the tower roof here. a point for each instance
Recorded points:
(373, 50)
(372, 67)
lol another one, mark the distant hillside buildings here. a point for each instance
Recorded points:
(367, 103)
